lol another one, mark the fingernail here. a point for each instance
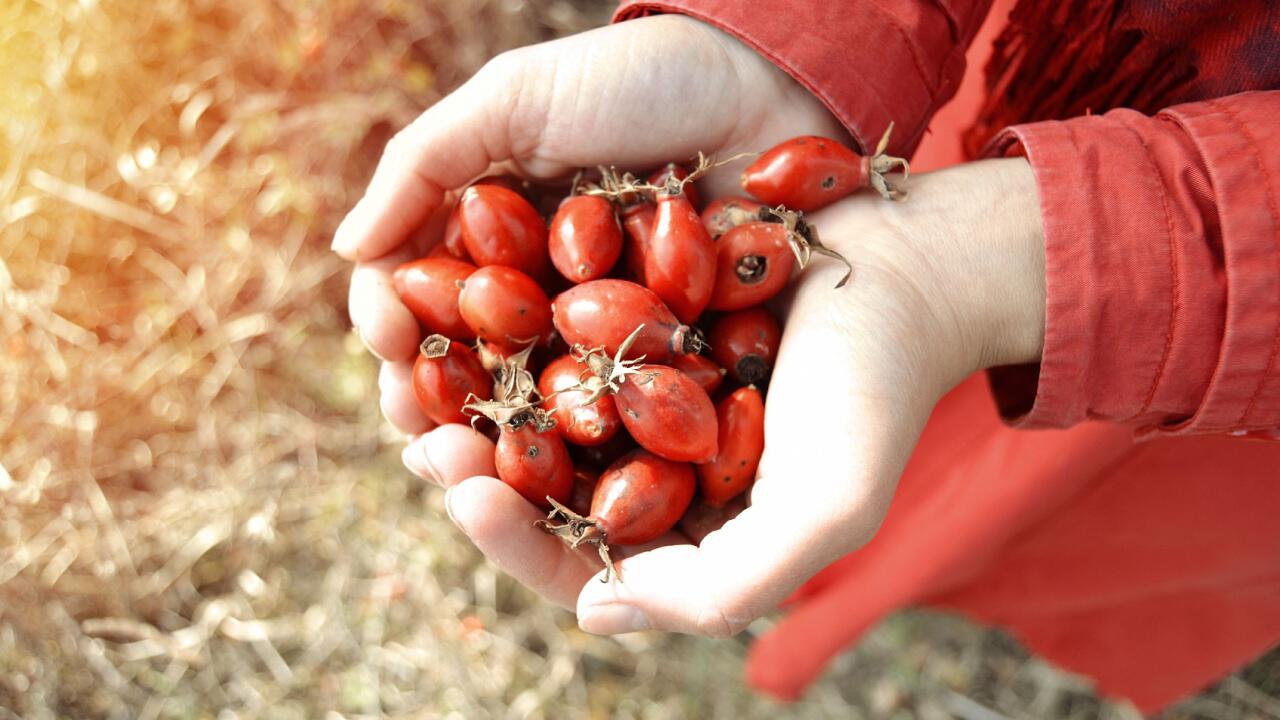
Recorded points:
(448, 510)
(414, 457)
(612, 619)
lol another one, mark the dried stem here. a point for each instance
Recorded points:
(804, 238)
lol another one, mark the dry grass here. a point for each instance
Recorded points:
(200, 513)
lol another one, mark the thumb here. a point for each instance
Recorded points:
(455, 141)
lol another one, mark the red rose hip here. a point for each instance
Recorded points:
(753, 263)
(585, 238)
(577, 421)
(429, 288)
(603, 313)
(506, 307)
(445, 374)
(535, 463)
(499, 227)
(740, 418)
(745, 343)
(680, 266)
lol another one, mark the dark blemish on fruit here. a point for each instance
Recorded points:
(829, 182)
(532, 451)
(632, 413)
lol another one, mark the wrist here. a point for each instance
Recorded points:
(980, 225)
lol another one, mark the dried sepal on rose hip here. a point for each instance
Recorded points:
(637, 499)
(665, 411)
(810, 172)
(803, 237)
(529, 456)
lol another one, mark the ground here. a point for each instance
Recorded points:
(201, 513)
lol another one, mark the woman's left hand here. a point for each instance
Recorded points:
(948, 282)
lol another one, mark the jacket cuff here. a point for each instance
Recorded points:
(894, 72)
(1163, 272)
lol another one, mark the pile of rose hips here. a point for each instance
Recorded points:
(594, 346)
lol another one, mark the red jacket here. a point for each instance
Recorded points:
(1138, 541)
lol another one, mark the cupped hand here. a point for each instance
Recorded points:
(859, 368)
(945, 283)
(635, 95)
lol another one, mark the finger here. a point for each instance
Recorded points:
(387, 327)
(451, 143)
(739, 573)
(501, 524)
(395, 397)
(807, 508)
(450, 454)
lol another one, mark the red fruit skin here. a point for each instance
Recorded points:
(585, 238)
(745, 343)
(753, 263)
(659, 178)
(805, 173)
(700, 369)
(499, 227)
(681, 263)
(505, 307)
(640, 497)
(637, 221)
(725, 213)
(604, 312)
(429, 288)
(536, 464)
(584, 487)
(668, 414)
(452, 243)
(441, 385)
(740, 418)
(580, 424)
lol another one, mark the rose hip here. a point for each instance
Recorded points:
(602, 313)
(810, 172)
(740, 418)
(745, 343)
(585, 238)
(724, 214)
(506, 307)
(700, 369)
(753, 263)
(535, 463)
(668, 414)
(445, 374)
(429, 288)
(636, 500)
(680, 266)
(637, 221)
(577, 421)
(499, 227)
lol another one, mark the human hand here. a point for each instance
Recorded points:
(635, 95)
(944, 284)
(921, 313)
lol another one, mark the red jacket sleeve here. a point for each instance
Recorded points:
(869, 62)
(1162, 241)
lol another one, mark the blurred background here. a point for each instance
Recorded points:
(201, 513)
